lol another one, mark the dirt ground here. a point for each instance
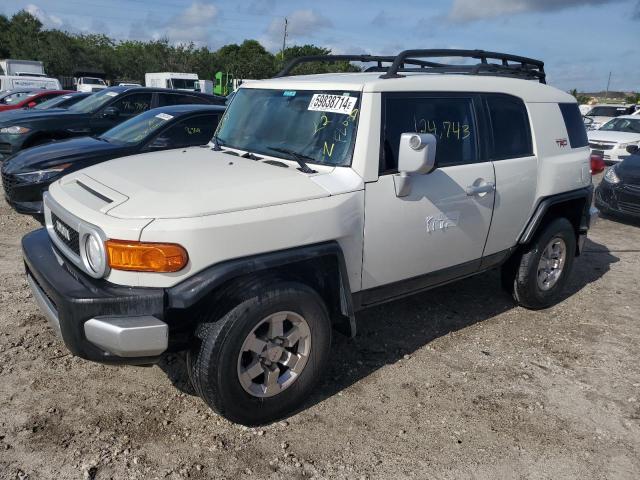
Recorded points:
(453, 383)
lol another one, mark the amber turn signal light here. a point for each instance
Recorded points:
(145, 257)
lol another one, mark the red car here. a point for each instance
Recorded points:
(15, 99)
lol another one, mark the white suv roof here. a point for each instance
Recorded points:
(528, 90)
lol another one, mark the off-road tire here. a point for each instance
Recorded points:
(213, 361)
(520, 274)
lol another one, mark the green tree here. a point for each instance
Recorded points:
(633, 98)
(248, 60)
(23, 36)
(314, 67)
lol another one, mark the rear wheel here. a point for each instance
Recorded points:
(536, 278)
(260, 361)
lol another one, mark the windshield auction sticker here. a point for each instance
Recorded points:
(322, 102)
(112, 94)
(164, 116)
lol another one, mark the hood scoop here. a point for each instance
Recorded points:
(91, 193)
(276, 163)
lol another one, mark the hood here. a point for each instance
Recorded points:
(197, 181)
(81, 149)
(611, 136)
(629, 169)
(20, 112)
(31, 116)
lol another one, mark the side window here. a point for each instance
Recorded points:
(133, 104)
(575, 125)
(43, 98)
(450, 119)
(168, 99)
(510, 129)
(190, 132)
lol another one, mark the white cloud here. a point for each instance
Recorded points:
(471, 10)
(49, 21)
(301, 23)
(192, 25)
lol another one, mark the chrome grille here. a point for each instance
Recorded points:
(633, 208)
(9, 183)
(73, 241)
(601, 146)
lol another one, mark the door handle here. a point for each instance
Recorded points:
(485, 187)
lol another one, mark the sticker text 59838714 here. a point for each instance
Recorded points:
(323, 102)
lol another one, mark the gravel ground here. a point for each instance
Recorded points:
(453, 383)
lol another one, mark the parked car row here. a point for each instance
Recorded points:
(79, 129)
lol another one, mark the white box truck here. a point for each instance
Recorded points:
(174, 80)
(25, 74)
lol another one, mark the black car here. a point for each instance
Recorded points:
(27, 174)
(619, 191)
(61, 101)
(92, 116)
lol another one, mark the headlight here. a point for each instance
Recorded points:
(38, 176)
(625, 145)
(94, 253)
(610, 176)
(15, 130)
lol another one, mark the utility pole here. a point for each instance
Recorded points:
(284, 37)
(606, 94)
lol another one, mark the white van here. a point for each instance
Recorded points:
(90, 84)
(177, 81)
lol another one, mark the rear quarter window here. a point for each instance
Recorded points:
(575, 125)
(511, 133)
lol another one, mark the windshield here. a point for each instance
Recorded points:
(137, 128)
(52, 102)
(93, 102)
(93, 81)
(607, 111)
(319, 125)
(183, 83)
(630, 125)
(14, 98)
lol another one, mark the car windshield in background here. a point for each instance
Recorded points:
(93, 81)
(94, 102)
(136, 129)
(607, 112)
(52, 102)
(183, 83)
(16, 98)
(630, 125)
(317, 125)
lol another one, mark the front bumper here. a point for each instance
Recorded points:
(10, 144)
(96, 320)
(618, 198)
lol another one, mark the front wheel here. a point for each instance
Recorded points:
(261, 359)
(537, 277)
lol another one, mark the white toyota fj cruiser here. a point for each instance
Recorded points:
(319, 196)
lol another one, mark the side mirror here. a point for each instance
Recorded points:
(31, 104)
(633, 149)
(416, 156)
(111, 112)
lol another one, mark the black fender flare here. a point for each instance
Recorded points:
(546, 203)
(190, 291)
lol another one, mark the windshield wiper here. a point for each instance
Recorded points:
(298, 157)
(217, 144)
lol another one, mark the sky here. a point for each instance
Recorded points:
(580, 41)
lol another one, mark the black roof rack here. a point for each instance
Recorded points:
(413, 61)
